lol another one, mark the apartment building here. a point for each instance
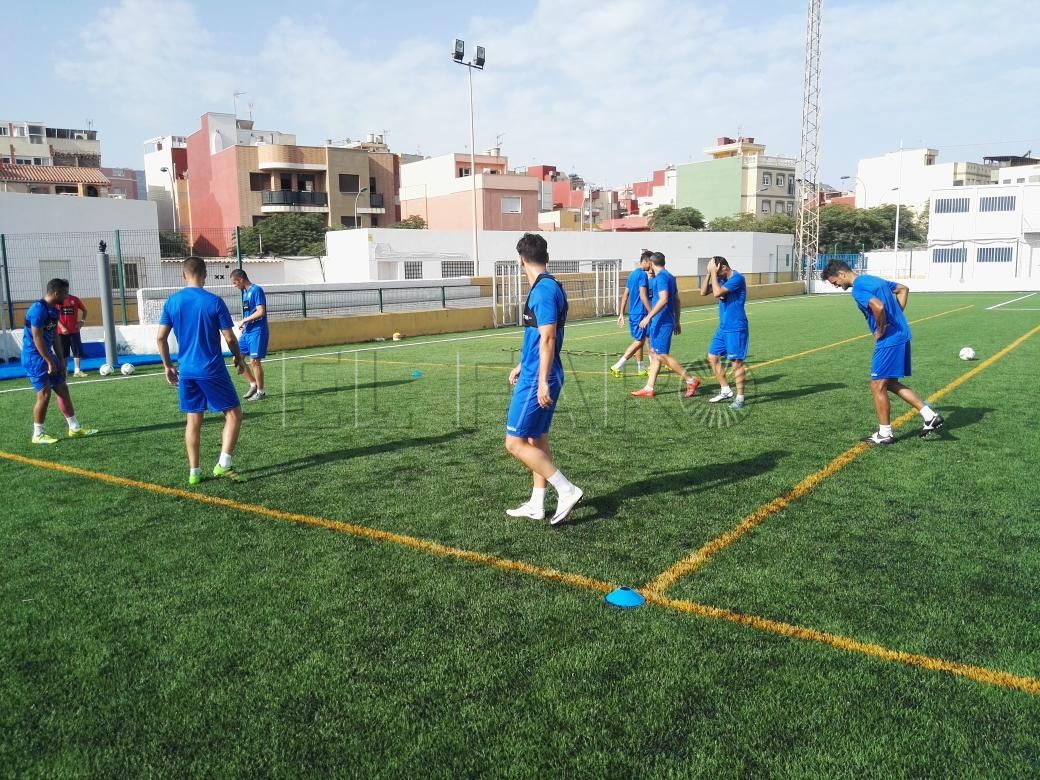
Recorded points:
(34, 143)
(126, 183)
(909, 176)
(53, 180)
(239, 176)
(166, 179)
(440, 190)
(739, 178)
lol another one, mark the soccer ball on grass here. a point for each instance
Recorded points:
(967, 353)
(105, 369)
(126, 369)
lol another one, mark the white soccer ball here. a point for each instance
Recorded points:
(126, 369)
(967, 353)
(105, 369)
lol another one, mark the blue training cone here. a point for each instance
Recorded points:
(416, 374)
(625, 598)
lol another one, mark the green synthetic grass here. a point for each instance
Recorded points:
(150, 635)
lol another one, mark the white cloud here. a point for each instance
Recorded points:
(611, 88)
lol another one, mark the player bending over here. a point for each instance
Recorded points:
(882, 303)
(537, 381)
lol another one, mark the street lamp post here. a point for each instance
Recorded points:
(864, 186)
(477, 63)
(173, 197)
(895, 243)
(357, 220)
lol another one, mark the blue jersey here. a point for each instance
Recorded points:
(897, 330)
(546, 305)
(197, 317)
(731, 308)
(663, 280)
(252, 297)
(637, 280)
(45, 317)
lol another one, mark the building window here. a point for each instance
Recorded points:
(1020, 181)
(765, 207)
(349, 182)
(993, 254)
(24, 160)
(3, 129)
(767, 179)
(955, 254)
(130, 276)
(374, 220)
(463, 172)
(511, 205)
(790, 184)
(951, 205)
(66, 189)
(258, 182)
(413, 269)
(779, 180)
(997, 203)
(350, 222)
(455, 268)
(790, 208)
(372, 184)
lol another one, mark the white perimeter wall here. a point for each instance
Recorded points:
(366, 255)
(21, 213)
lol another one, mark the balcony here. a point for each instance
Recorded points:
(276, 201)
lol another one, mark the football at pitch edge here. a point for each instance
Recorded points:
(967, 353)
(397, 337)
(105, 370)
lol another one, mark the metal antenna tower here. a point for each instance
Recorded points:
(807, 239)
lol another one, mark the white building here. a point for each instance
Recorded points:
(1019, 174)
(909, 176)
(165, 164)
(988, 233)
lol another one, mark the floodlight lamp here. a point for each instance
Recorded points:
(460, 50)
(478, 61)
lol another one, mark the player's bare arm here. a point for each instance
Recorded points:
(622, 307)
(546, 355)
(662, 301)
(162, 340)
(878, 310)
(902, 295)
(236, 353)
(41, 347)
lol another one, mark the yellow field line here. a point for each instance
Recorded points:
(975, 673)
(699, 557)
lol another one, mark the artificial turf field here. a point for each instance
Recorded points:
(364, 607)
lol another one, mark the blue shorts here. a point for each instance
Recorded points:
(254, 342)
(525, 417)
(633, 327)
(217, 394)
(37, 374)
(891, 362)
(731, 343)
(660, 336)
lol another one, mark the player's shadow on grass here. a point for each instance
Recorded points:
(679, 483)
(956, 417)
(344, 389)
(347, 453)
(799, 392)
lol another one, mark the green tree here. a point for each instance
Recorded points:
(776, 223)
(737, 223)
(848, 229)
(173, 244)
(669, 218)
(414, 222)
(284, 234)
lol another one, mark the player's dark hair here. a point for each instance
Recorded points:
(647, 255)
(194, 267)
(57, 286)
(533, 248)
(720, 260)
(658, 259)
(238, 273)
(834, 267)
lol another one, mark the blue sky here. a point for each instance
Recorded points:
(611, 89)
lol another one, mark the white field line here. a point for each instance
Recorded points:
(1005, 303)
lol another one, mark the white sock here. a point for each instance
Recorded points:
(37, 429)
(640, 365)
(252, 385)
(620, 364)
(561, 483)
(725, 390)
(649, 387)
(537, 499)
(690, 380)
(885, 430)
(225, 461)
(927, 413)
(195, 472)
(73, 423)
(740, 398)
